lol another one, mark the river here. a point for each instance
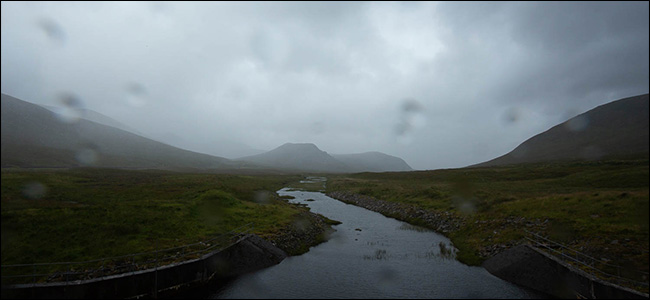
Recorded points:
(370, 256)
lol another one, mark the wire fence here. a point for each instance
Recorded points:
(600, 268)
(90, 269)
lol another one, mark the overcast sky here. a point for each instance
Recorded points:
(439, 84)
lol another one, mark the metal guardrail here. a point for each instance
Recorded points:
(594, 265)
(90, 269)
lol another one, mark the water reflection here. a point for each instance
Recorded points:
(370, 256)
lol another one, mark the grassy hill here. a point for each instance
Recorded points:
(618, 129)
(33, 136)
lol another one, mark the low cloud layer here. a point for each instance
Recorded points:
(440, 85)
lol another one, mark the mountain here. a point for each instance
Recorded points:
(299, 157)
(618, 129)
(92, 115)
(307, 157)
(372, 162)
(33, 136)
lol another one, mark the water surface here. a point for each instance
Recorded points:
(370, 256)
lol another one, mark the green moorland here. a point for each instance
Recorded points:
(599, 208)
(85, 214)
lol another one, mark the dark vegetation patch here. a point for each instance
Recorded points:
(84, 214)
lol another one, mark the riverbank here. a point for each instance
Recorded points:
(308, 230)
(441, 222)
(512, 262)
(598, 208)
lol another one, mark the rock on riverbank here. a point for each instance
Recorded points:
(307, 231)
(439, 221)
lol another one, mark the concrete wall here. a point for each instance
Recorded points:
(249, 254)
(533, 268)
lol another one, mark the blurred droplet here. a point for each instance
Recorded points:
(261, 197)
(464, 205)
(411, 118)
(591, 153)
(411, 105)
(136, 94)
(52, 30)
(34, 190)
(301, 224)
(446, 251)
(71, 109)
(463, 195)
(512, 115)
(579, 123)
(387, 276)
(317, 127)
(520, 151)
(158, 6)
(86, 156)
(257, 288)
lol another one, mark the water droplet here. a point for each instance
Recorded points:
(387, 275)
(465, 206)
(136, 94)
(86, 156)
(591, 152)
(411, 118)
(511, 115)
(34, 190)
(520, 151)
(52, 30)
(71, 109)
(301, 224)
(261, 197)
(317, 127)
(578, 123)
(411, 105)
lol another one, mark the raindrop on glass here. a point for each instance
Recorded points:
(86, 156)
(511, 115)
(411, 118)
(136, 94)
(387, 275)
(261, 197)
(579, 123)
(34, 190)
(71, 109)
(52, 30)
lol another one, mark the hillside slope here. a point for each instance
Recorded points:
(618, 129)
(33, 136)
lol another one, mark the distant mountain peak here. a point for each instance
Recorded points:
(299, 146)
(308, 157)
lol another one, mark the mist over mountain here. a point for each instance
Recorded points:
(372, 162)
(308, 157)
(618, 129)
(91, 115)
(303, 157)
(33, 136)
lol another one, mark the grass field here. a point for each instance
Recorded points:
(599, 208)
(83, 214)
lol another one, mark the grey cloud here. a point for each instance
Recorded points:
(331, 73)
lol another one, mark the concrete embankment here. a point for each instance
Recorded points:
(249, 254)
(530, 267)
